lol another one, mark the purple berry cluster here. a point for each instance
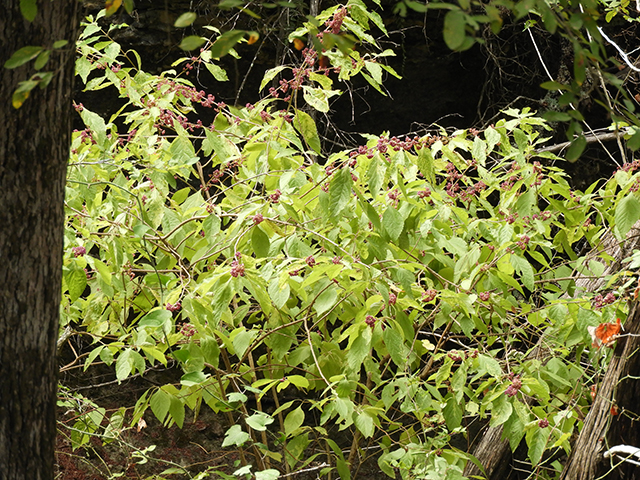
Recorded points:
(175, 307)
(599, 301)
(188, 330)
(516, 384)
(78, 251)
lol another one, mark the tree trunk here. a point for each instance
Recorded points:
(34, 147)
(494, 454)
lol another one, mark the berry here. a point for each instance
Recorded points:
(78, 251)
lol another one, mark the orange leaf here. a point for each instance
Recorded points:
(614, 410)
(604, 334)
(253, 38)
(298, 43)
(112, 6)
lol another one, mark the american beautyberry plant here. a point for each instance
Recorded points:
(384, 297)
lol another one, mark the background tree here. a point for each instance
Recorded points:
(34, 148)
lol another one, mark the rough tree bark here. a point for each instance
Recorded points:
(34, 147)
(494, 454)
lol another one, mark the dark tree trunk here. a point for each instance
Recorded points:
(34, 147)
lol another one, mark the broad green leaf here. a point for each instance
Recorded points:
(193, 378)
(270, 75)
(243, 340)
(537, 439)
(155, 318)
(339, 191)
(395, 345)
(259, 421)
(393, 223)
(500, 411)
(318, 98)
(176, 410)
(627, 213)
(225, 42)
(235, 436)
(454, 29)
(489, 365)
(364, 423)
(217, 71)
(575, 150)
(259, 242)
(279, 293)
(29, 9)
(76, 280)
(160, 402)
(293, 421)
(268, 474)
(452, 413)
(326, 300)
(22, 56)
(185, 19)
(358, 349)
(124, 364)
(192, 42)
(307, 128)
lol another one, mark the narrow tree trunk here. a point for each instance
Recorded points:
(34, 147)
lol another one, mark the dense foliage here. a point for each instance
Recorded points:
(388, 298)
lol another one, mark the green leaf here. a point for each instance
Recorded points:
(155, 318)
(193, 378)
(454, 29)
(318, 98)
(537, 439)
(393, 223)
(426, 165)
(452, 413)
(243, 340)
(22, 56)
(76, 280)
(259, 421)
(634, 142)
(279, 293)
(489, 365)
(364, 423)
(325, 300)
(339, 191)
(270, 75)
(524, 269)
(500, 411)
(358, 349)
(304, 124)
(176, 410)
(60, 43)
(553, 86)
(225, 42)
(29, 9)
(268, 474)
(293, 421)
(259, 242)
(124, 364)
(160, 402)
(395, 344)
(185, 19)
(192, 42)
(235, 436)
(217, 71)
(627, 213)
(575, 150)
